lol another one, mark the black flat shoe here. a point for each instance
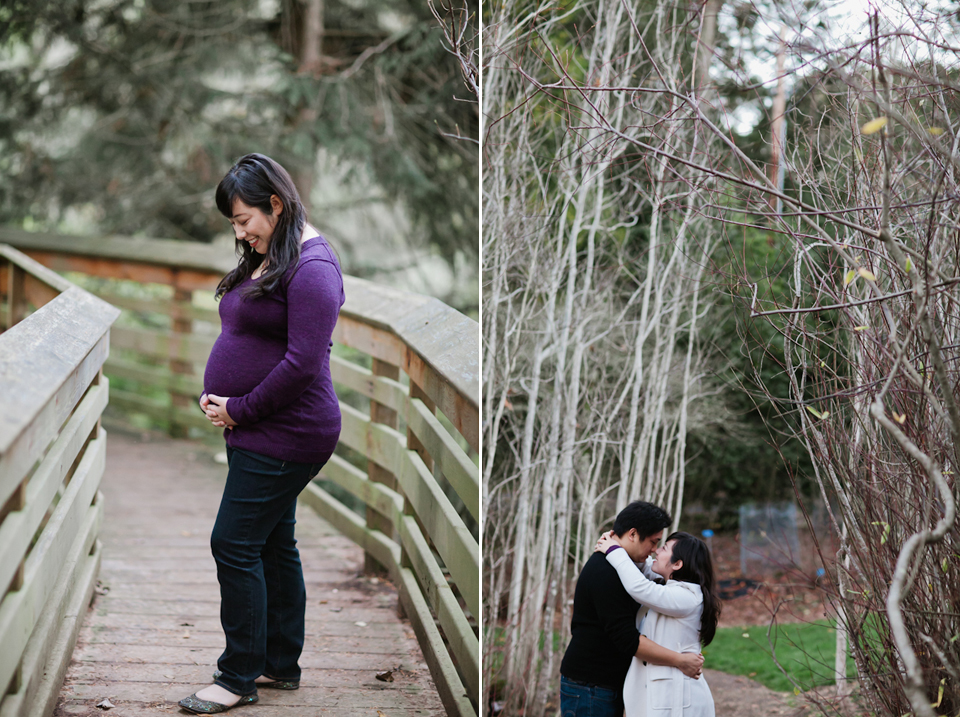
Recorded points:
(275, 685)
(206, 707)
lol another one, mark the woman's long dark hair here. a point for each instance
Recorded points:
(697, 568)
(253, 180)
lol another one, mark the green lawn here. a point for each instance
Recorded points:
(805, 650)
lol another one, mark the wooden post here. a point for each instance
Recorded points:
(16, 295)
(98, 381)
(16, 501)
(413, 443)
(182, 327)
(16, 583)
(388, 417)
(16, 682)
(94, 434)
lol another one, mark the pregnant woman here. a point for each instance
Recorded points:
(267, 383)
(680, 615)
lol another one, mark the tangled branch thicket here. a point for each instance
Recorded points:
(610, 182)
(594, 267)
(872, 336)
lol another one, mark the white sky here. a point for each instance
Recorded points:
(847, 23)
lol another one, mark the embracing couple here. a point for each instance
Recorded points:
(635, 643)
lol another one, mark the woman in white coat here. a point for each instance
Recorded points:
(681, 615)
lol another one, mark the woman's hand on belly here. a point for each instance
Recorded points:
(216, 410)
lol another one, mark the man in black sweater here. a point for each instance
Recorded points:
(604, 634)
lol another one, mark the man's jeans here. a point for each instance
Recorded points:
(262, 596)
(580, 700)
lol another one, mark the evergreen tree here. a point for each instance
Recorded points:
(128, 111)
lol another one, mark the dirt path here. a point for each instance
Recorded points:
(736, 696)
(795, 591)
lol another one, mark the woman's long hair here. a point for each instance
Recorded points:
(253, 180)
(697, 568)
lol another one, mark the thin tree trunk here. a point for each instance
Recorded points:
(312, 41)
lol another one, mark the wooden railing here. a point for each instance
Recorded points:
(161, 343)
(52, 451)
(409, 514)
(407, 371)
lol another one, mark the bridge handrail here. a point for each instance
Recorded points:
(418, 321)
(55, 339)
(421, 486)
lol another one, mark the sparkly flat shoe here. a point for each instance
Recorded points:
(275, 685)
(205, 707)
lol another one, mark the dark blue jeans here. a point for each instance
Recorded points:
(579, 700)
(262, 596)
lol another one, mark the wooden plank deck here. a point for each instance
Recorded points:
(152, 635)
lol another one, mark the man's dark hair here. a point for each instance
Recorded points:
(647, 518)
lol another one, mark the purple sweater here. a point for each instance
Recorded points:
(272, 360)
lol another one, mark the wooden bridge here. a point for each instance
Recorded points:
(124, 523)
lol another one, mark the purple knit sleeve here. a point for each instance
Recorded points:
(314, 296)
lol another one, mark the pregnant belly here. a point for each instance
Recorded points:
(237, 366)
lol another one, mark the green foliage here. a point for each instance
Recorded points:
(754, 457)
(806, 651)
(123, 115)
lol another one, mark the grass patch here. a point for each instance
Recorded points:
(805, 650)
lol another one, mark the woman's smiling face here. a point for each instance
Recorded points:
(662, 565)
(251, 225)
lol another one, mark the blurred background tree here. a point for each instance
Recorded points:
(120, 116)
